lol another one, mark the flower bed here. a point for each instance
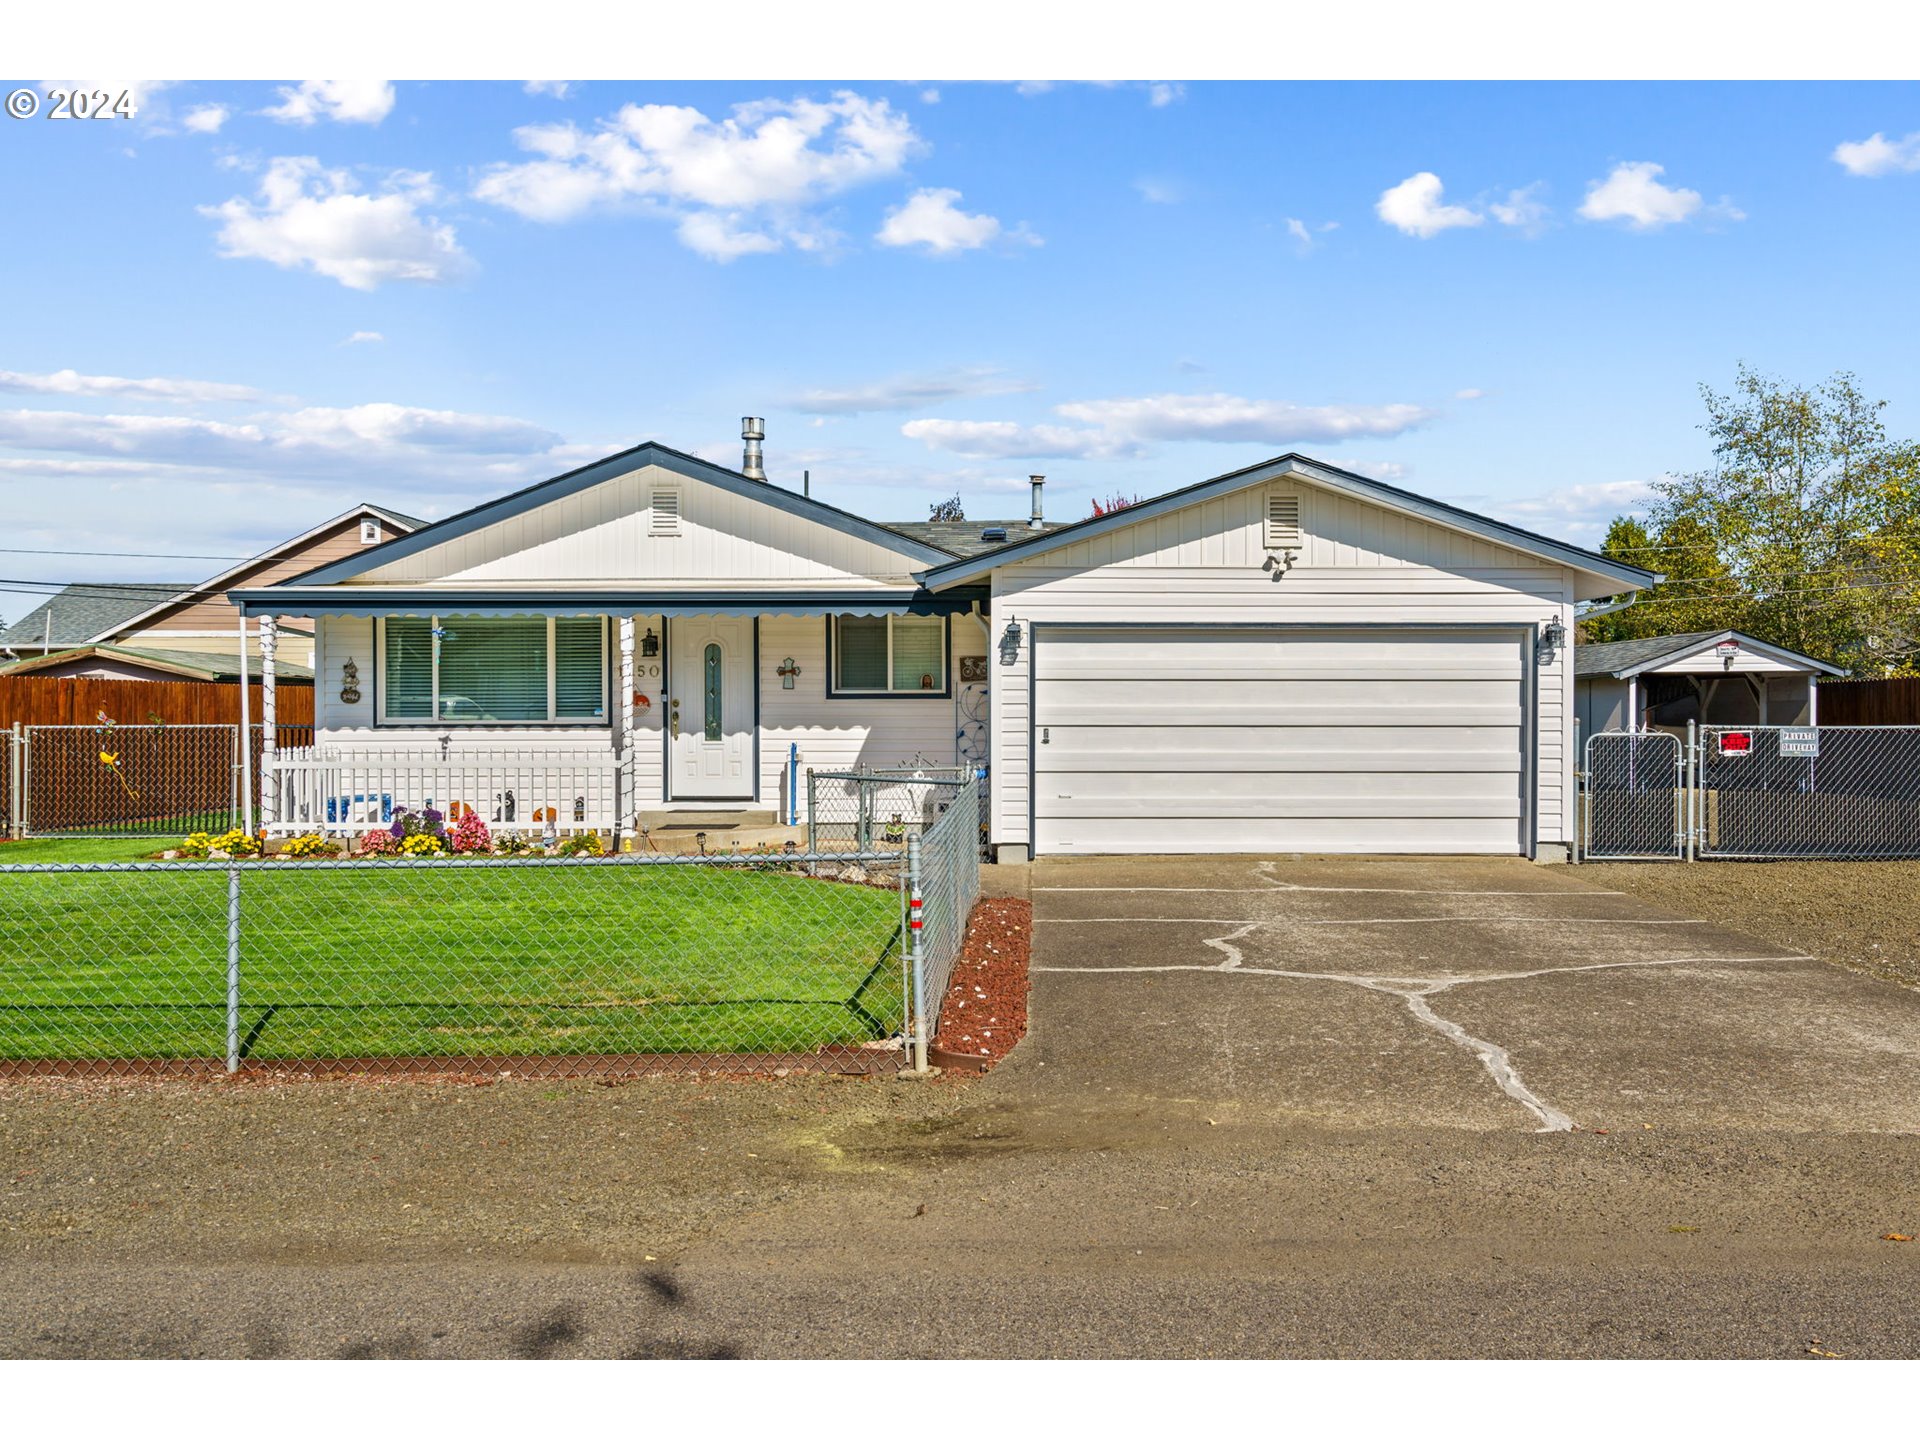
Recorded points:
(984, 1013)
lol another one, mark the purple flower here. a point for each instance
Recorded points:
(432, 816)
(397, 829)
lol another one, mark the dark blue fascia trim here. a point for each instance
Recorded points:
(347, 600)
(946, 672)
(690, 467)
(1344, 481)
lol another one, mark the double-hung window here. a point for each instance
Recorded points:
(888, 655)
(493, 670)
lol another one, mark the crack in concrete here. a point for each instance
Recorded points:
(1414, 991)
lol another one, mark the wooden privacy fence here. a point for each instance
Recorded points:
(1870, 702)
(77, 700)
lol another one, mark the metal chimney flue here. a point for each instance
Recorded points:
(1036, 481)
(753, 430)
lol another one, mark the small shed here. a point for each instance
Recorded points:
(1714, 677)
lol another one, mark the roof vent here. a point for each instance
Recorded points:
(1283, 520)
(1036, 481)
(995, 533)
(753, 430)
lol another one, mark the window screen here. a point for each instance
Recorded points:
(860, 657)
(493, 668)
(889, 654)
(408, 683)
(579, 668)
(917, 652)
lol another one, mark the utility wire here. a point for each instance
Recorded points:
(121, 554)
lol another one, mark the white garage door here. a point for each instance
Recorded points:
(1177, 740)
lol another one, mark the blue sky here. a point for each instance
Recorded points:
(1486, 293)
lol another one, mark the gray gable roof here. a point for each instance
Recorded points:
(83, 611)
(964, 538)
(1316, 472)
(1624, 657)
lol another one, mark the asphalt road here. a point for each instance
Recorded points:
(1277, 1154)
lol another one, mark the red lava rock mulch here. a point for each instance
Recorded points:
(985, 1010)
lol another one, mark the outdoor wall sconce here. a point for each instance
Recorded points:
(786, 672)
(649, 645)
(1551, 639)
(349, 684)
(1010, 643)
(1278, 565)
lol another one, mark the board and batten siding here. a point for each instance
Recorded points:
(608, 534)
(1203, 565)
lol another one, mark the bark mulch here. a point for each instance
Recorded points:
(985, 1010)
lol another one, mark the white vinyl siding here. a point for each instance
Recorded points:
(1343, 740)
(492, 670)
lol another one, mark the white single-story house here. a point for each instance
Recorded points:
(1290, 657)
(1711, 677)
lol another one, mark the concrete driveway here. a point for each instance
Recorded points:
(1473, 993)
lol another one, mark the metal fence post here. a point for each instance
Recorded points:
(16, 785)
(812, 847)
(915, 908)
(233, 968)
(1691, 808)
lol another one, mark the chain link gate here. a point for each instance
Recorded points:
(1809, 792)
(1635, 792)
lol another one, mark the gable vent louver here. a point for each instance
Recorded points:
(1283, 521)
(665, 513)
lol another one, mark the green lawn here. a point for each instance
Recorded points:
(527, 960)
(81, 852)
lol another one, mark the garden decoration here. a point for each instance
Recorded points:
(349, 683)
(111, 758)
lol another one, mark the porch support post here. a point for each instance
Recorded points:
(1813, 703)
(629, 803)
(269, 716)
(246, 734)
(1633, 702)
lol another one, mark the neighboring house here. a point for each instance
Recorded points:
(176, 632)
(1712, 677)
(1290, 657)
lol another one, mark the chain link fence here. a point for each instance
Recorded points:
(878, 808)
(1634, 792)
(1779, 792)
(161, 780)
(944, 884)
(556, 967)
(1753, 792)
(11, 826)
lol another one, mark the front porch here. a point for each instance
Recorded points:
(665, 730)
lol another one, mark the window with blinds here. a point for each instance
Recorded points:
(888, 655)
(493, 670)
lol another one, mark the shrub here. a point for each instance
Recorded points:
(237, 843)
(303, 846)
(470, 835)
(586, 842)
(511, 842)
(422, 845)
(379, 842)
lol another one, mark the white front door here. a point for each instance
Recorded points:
(710, 709)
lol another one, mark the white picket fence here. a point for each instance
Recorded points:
(353, 790)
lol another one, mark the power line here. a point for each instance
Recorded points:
(120, 554)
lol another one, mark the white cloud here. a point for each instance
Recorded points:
(1187, 365)
(346, 102)
(312, 218)
(1390, 472)
(1579, 512)
(1005, 440)
(206, 119)
(1161, 93)
(72, 382)
(1469, 394)
(1032, 87)
(1633, 193)
(556, 89)
(1157, 191)
(1877, 155)
(1306, 237)
(739, 185)
(1110, 429)
(933, 218)
(1230, 417)
(930, 96)
(1414, 207)
(905, 392)
(364, 337)
(1523, 209)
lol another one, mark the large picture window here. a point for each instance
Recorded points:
(888, 655)
(493, 670)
